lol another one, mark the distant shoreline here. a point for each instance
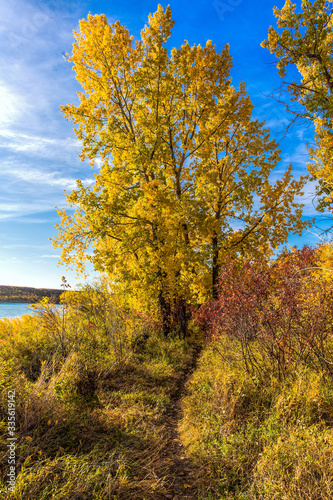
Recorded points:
(12, 301)
(28, 295)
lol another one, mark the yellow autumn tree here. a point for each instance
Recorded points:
(185, 171)
(304, 40)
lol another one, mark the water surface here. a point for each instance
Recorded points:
(15, 309)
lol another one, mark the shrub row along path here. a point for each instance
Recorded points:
(181, 475)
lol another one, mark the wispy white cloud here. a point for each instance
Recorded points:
(34, 77)
(12, 105)
(19, 178)
(37, 145)
(53, 179)
(35, 220)
(298, 156)
(10, 207)
(23, 245)
(18, 210)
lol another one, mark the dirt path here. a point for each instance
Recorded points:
(179, 472)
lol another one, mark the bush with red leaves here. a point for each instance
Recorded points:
(280, 312)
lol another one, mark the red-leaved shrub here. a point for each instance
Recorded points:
(281, 312)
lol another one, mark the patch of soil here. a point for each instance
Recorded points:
(179, 472)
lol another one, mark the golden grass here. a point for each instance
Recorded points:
(87, 425)
(258, 440)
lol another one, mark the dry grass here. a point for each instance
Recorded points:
(87, 425)
(259, 440)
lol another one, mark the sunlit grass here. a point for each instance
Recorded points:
(89, 423)
(259, 440)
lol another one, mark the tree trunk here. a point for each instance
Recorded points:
(164, 305)
(182, 319)
(165, 314)
(216, 267)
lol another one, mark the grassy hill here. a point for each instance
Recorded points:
(27, 294)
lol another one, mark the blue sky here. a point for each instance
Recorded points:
(38, 149)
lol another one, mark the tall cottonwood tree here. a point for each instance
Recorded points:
(184, 174)
(304, 40)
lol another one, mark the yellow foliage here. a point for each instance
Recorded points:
(324, 262)
(184, 172)
(305, 40)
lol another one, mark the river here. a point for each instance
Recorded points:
(14, 309)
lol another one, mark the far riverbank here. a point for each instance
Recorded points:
(24, 295)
